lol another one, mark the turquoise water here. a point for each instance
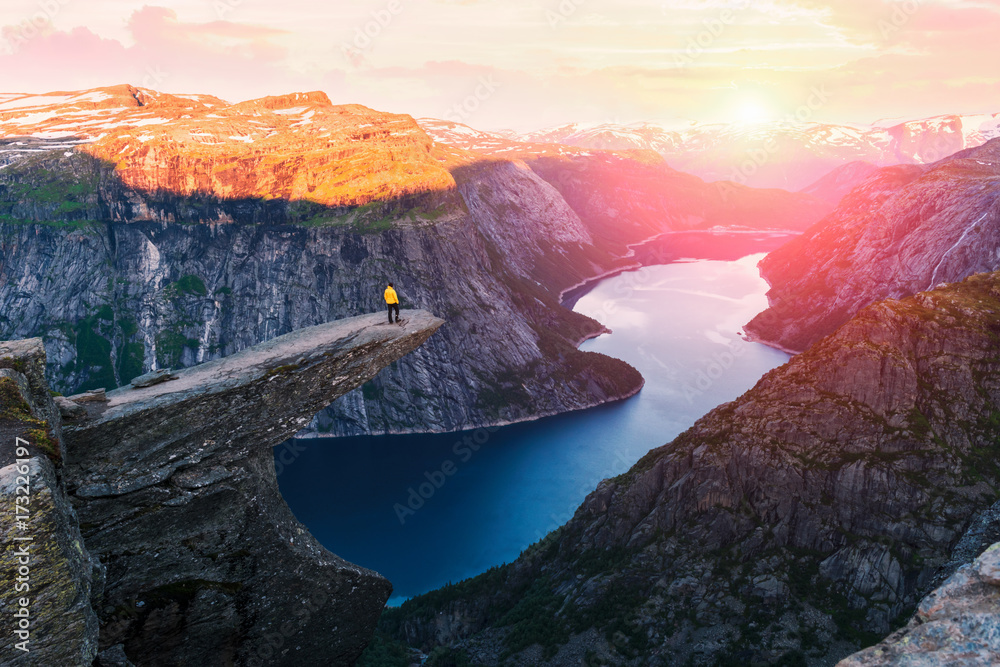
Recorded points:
(425, 510)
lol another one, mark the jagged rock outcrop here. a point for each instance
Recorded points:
(903, 230)
(49, 576)
(957, 624)
(795, 524)
(176, 492)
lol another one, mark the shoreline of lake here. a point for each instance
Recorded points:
(429, 509)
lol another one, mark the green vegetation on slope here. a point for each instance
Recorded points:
(50, 188)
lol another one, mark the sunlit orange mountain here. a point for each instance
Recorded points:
(292, 147)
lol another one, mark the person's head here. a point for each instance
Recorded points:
(390, 284)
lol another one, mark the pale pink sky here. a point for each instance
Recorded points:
(528, 64)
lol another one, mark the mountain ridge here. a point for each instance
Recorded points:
(782, 154)
(903, 230)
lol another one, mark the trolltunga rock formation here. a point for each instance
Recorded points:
(201, 561)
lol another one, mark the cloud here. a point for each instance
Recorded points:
(613, 60)
(884, 23)
(81, 54)
(228, 59)
(158, 29)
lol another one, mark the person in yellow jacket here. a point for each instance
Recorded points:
(392, 301)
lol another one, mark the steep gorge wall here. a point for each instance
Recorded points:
(797, 523)
(115, 299)
(50, 576)
(636, 192)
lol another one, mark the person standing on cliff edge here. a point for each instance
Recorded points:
(392, 301)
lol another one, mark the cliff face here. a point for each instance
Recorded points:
(801, 520)
(903, 230)
(177, 495)
(114, 300)
(49, 575)
(833, 187)
(638, 189)
(173, 481)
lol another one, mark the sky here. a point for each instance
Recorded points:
(525, 65)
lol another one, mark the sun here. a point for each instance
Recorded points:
(751, 111)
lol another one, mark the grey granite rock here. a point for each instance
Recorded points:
(957, 624)
(113, 657)
(904, 230)
(176, 490)
(92, 396)
(68, 409)
(152, 378)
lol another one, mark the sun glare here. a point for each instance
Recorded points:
(750, 111)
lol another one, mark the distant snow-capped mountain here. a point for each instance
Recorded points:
(610, 136)
(790, 156)
(505, 143)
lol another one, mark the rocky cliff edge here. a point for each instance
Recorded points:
(957, 624)
(173, 484)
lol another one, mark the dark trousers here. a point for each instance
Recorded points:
(391, 307)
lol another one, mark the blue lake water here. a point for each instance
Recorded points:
(492, 494)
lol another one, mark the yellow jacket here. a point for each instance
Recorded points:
(390, 295)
